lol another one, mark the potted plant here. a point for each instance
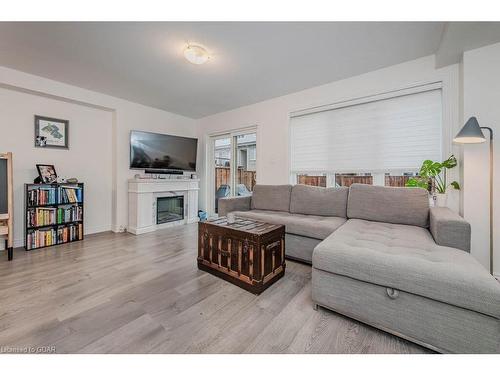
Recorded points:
(432, 177)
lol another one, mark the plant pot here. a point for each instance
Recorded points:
(440, 199)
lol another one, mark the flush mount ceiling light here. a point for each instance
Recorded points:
(196, 54)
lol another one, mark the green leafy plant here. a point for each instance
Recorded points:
(432, 176)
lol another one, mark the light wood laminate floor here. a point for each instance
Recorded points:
(119, 293)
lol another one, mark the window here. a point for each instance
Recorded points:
(381, 142)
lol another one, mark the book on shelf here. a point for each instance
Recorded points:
(73, 213)
(53, 236)
(70, 194)
(41, 238)
(41, 196)
(42, 216)
(37, 217)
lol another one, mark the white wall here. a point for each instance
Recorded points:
(272, 116)
(481, 82)
(122, 116)
(88, 158)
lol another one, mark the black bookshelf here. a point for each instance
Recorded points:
(53, 214)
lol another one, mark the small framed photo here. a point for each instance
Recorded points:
(51, 132)
(47, 173)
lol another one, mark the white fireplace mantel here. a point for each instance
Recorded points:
(142, 194)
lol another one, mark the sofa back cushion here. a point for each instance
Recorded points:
(408, 206)
(271, 197)
(312, 200)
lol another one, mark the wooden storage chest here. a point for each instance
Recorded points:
(247, 253)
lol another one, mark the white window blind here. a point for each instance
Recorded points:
(397, 133)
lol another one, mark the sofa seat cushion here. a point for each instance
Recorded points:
(406, 258)
(318, 227)
(313, 200)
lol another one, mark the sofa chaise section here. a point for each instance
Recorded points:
(386, 268)
(406, 258)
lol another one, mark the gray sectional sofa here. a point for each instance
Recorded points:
(382, 256)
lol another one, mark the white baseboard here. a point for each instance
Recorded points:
(99, 229)
(19, 242)
(119, 228)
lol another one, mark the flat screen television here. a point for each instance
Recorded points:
(162, 152)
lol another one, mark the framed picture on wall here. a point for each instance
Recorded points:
(51, 132)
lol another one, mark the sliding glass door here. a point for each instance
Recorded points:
(233, 172)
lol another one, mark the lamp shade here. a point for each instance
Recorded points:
(470, 133)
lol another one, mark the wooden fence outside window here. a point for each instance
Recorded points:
(223, 177)
(248, 178)
(348, 180)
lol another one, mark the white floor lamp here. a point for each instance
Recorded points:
(472, 133)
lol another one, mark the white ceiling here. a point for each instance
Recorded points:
(143, 62)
